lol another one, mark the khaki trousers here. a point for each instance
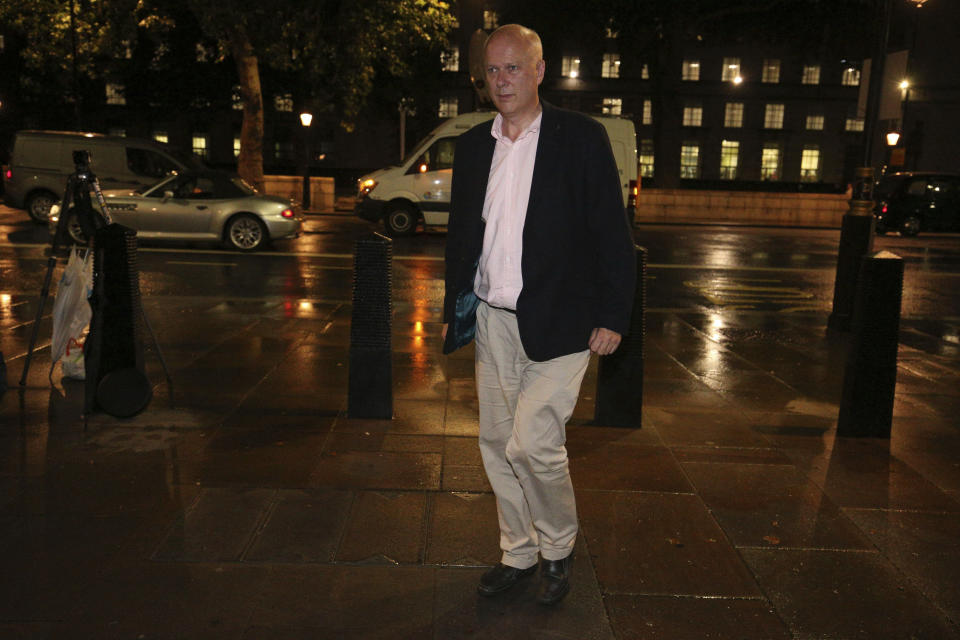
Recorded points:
(524, 409)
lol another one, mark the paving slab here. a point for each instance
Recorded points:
(670, 618)
(845, 594)
(660, 544)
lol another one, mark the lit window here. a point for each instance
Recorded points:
(115, 94)
(810, 163)
(236, 101)
(283, 150)
(161, 136)
(612, 34)
(773, 117)
(692, 116)
(647, 112)
(570, 67)
(850, 77)
(283, 102)
(200, 144)
(770, 162)
(690, 71)
(124, 45)
(450, 59)
(490, 19)
(811, 74)
(645, 71)
(731, 69)
(646, 158)
(854, 124)
(116, 131)
(611, 65)
(236, 147)
(690, 161)
(815, 123)
(612, 106)
(771, 70)
(733, 115)
(729, 157)
(448, 107)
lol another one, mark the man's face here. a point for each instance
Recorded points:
(513, 75)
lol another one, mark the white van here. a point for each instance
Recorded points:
(41, 162)
(418, 189)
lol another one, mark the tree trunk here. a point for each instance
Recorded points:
(250, 161)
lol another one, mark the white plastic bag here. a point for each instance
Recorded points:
(71, 314)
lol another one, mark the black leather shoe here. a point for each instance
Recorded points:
(501, 578)
(554, 580)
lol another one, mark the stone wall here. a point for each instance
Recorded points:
(742, 207)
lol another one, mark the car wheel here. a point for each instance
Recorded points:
(910, 226)
(74, 230)
(245, 232)
(401, 220)
(38, 206)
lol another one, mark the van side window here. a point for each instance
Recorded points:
(148, 164)
(438, 156)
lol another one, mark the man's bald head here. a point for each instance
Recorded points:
(520, 34)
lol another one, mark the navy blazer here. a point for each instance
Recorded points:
(578, 265)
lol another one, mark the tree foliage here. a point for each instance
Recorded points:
(331, 51)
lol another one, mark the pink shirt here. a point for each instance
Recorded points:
(499, 280)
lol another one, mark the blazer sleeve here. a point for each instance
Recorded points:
(611, 236)
(461, 226)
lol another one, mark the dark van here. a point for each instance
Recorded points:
(911, 202)
(41, 161)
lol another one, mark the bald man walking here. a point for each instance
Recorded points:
(540, 268)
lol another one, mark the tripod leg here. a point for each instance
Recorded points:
(163, 363)
(45, 291)
(44, 294)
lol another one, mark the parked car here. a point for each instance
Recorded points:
(912, 201)
(209, 205)
(41, 161)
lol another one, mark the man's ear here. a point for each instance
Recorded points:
(541, 68)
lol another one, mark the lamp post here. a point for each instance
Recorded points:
(859, 225)
(305, 119)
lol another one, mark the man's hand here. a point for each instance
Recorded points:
(443, 332)
(603, 342)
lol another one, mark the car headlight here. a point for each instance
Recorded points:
(365, 186)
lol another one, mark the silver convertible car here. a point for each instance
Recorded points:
(213, 206)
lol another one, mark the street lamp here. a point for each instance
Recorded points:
(305, 119)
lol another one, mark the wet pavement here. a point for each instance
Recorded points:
(254, 508)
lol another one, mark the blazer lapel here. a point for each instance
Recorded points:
(547, 157)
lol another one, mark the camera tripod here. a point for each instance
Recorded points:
(127, 390)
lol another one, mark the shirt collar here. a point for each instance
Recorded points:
(497, 129)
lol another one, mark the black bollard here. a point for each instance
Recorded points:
(856, 242)
(370, 394)
(870, 377)
(620, 375)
